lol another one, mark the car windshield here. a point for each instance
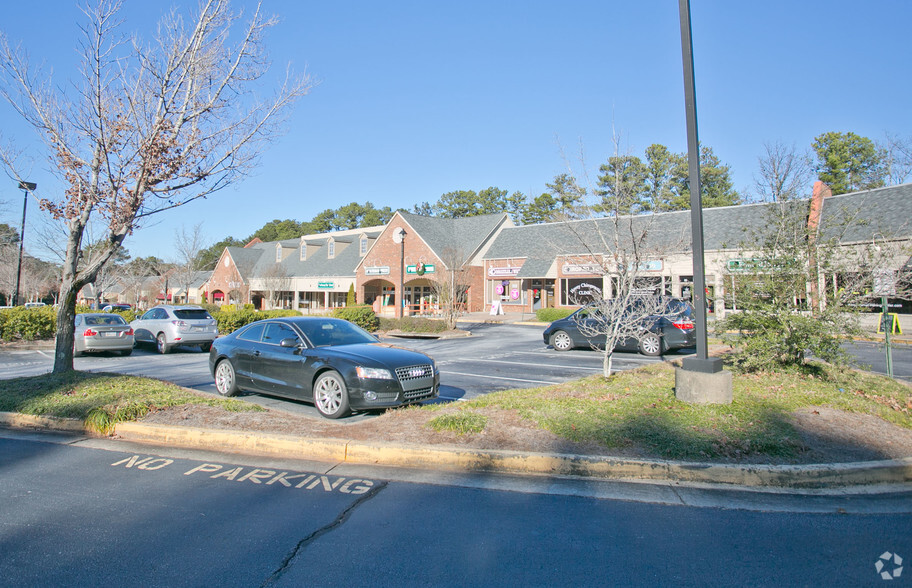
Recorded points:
(104, 320)
(191, 313)
(335, 332)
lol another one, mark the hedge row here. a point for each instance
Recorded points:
(547, 315)
(231, 320)
(28, 324)
(363, 316)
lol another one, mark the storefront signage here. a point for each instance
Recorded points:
(503, 272)
(382, 270)
(325, 285)
(420, 269)
(569, 269)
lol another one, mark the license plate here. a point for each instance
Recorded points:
(110, 334)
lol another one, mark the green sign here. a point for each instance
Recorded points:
(325, 285)
(420, 269)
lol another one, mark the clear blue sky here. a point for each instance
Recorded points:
(421, 98)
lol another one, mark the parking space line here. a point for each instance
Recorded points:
(500, 378)
(542, 365)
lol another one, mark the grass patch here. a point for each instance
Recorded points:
(461, 423)
(100, 400)
(638, 408)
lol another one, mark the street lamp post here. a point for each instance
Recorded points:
(699, 379)
(26, 187)
(399, 237)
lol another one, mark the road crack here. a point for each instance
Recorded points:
(303, 543)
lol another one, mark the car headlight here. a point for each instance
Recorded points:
(369, 373)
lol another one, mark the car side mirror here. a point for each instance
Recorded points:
(289, 342)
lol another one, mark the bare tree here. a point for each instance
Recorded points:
(150, 127)
(276, 283)
(132, 276)
(899, 159)
(451, 285)
(785, 173)
(189, 244)
(621, 249)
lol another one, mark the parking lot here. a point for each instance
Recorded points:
(495, 357)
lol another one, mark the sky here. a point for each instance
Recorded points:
(416, 99)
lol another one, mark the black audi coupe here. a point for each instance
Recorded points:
(333, 363)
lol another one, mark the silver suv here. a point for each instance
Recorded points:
(168, 326)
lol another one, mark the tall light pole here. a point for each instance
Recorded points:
(699, 379)
(26, 187)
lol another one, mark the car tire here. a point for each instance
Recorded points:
(126, 352)
(161, 344)
(330, 395)
(651, 344)
(226, 379)
(205, 347)
(561, 341)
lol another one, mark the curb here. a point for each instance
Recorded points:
(896, 471)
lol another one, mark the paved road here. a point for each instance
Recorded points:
(101, 513)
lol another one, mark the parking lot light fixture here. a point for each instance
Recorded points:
(26, 187)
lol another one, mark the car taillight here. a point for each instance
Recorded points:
(129, 331)
(90, 333)
(683, 325)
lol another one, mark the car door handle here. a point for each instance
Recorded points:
(256, 353)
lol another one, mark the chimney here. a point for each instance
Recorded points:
(821, 191)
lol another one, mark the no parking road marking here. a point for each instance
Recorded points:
(299, 480)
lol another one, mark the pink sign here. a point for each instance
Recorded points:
(514, 294)
(499, 289)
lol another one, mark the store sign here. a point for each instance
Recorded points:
(420, 269)
(325, 285)
(503, 272)
(382, 270)
(570, 269)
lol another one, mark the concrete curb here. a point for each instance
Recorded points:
(897, 471)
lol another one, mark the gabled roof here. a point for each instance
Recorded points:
(465, 235)
(246, 258)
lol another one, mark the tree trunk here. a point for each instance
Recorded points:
(66, 311)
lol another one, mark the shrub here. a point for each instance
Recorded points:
(213, 309)
(548, 315)
(363, 316)
(232, 320)
(413, 324)
(28, 323)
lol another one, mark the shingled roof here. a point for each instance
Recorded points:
(884, 213)
(465, 235)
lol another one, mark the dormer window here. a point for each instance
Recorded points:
(278, 253)
(303, 251)
(363, 245)
(332, 249)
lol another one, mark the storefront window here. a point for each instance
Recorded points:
(581, 291)
(507, 292)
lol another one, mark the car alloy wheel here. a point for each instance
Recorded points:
(561, 341)
(161, 344)
(225, 380)
(651, 344)
(331, 395)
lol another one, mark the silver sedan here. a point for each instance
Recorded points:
(102, 332)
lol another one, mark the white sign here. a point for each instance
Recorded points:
(503, 272)
(884, 283)
(377, 271)
(569, 269)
